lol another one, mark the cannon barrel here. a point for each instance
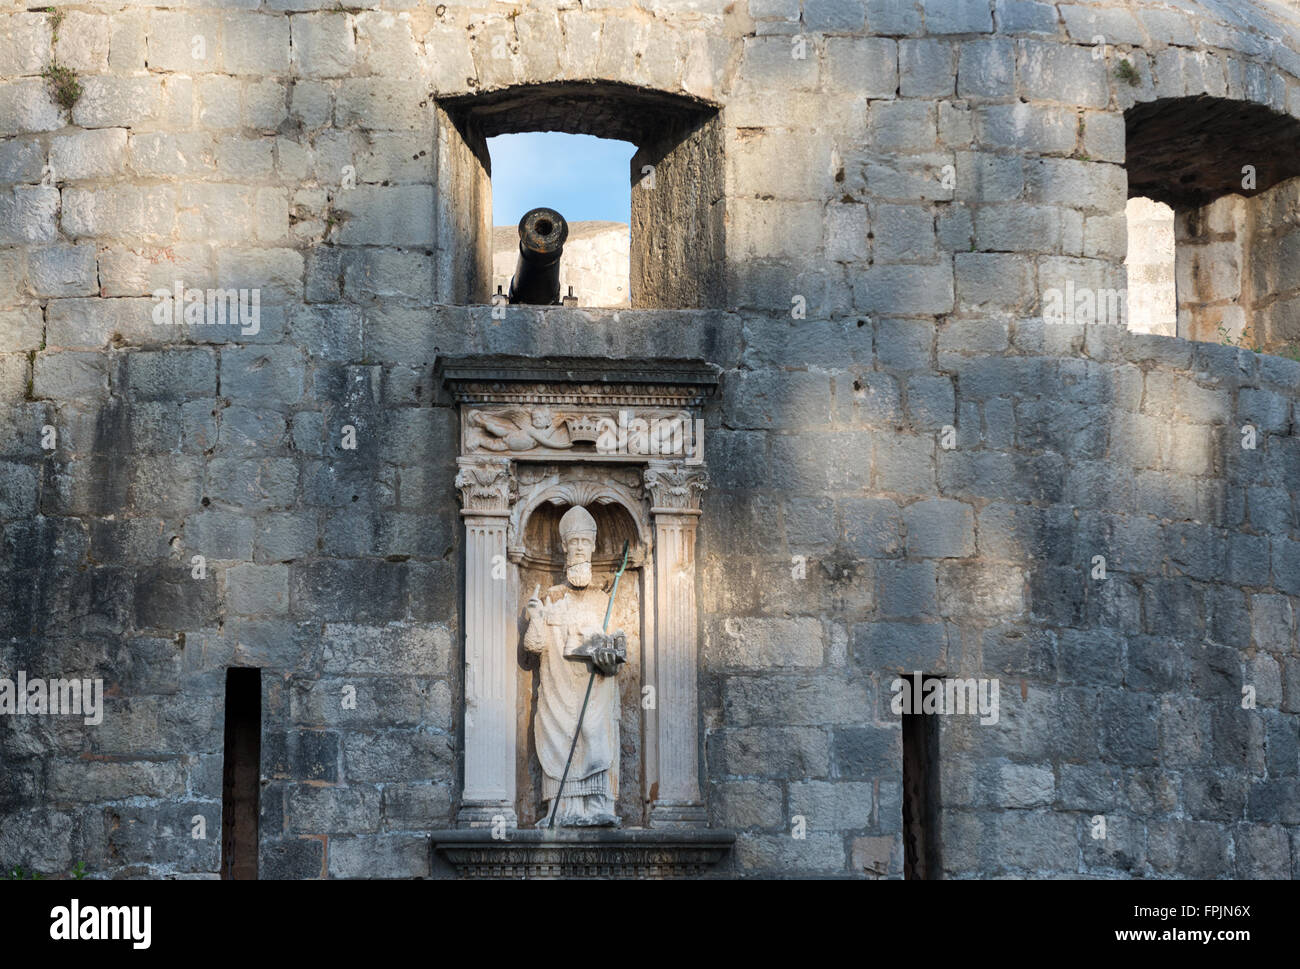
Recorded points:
(537, 271)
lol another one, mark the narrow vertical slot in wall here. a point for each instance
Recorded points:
(241, 773)
(921, 793)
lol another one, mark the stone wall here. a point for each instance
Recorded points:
(874, 551)
(1238, 268)
(1212, 253)
(888, 208)
(1274, 281)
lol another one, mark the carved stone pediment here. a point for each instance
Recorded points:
(609, 432)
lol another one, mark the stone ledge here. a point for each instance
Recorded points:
(531, 853)
(455, 371)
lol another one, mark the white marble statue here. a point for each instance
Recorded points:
(564, 630)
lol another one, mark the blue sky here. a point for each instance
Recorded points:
(585, 178)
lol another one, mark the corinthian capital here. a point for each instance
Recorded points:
(674, 485)
(486, 486)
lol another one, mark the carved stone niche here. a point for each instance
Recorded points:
(623, 439)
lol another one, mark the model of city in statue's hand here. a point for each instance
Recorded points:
(565, 631)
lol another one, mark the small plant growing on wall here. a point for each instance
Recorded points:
(1246, 341)
(65, 89)
(17, 873)
(1125, 71)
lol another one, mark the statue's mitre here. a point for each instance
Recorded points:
(577, 521)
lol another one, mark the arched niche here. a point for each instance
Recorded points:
(594, 487)
(543, 567)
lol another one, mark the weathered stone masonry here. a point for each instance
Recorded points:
(919, 179)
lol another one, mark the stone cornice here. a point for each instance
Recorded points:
(577, 380)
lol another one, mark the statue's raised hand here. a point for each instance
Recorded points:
(534, 609)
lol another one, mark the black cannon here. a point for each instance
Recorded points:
(541, 244)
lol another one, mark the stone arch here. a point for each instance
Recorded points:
(1188, 151)
(564, 487)
(605, 109)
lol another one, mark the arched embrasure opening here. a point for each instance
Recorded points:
(1230, 173)
(676, 247)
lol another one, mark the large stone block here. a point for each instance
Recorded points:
(905, 464)
(99, 153)
(61, 270)
(748, 804)
(396, 648)
(257, 589)
(323, 44)
(386, 856)
(255, 44)
(398, 215)
(253, 484)
(900, 647)
(833, 806)
(27, 214)
(821, 852)
(987, 68)
(1056, 72)
(265, 374)
(867, 752)
(1035, 128)
(927, 68)
(940, 528)
(25, 106)
(171, 374)
(898, 290)
(796, 699)
(410, 754)
(147, 213)
(903, 233)
(775, 399)
(69, 375)
(792, 752)
(861, 66)
(903, 126)
(751, 643)
(332, 810)
(89, 781)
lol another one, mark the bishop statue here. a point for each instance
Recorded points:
(565, 631)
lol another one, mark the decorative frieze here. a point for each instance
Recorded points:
(566, 853)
